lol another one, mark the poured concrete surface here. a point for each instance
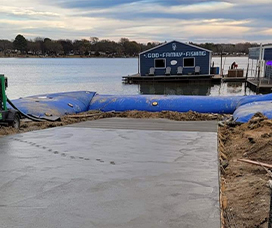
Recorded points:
(151, 124)
(78, 176)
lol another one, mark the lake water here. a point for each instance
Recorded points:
(31, 76)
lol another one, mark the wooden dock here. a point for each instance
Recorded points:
(234, 79)
(136, 78)
(262, 85)
(234, 75)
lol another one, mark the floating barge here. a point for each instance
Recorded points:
(234, 75)
(233, 79)
(174, 62)
(261, 69)
(263, 85)
(137, 78)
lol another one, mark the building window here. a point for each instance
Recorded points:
(188, 62)
(159, 63)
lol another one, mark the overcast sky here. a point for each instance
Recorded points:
(228, 21)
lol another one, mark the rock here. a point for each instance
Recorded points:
(251, 140)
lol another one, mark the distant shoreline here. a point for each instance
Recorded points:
(90, 57)
(62, 56)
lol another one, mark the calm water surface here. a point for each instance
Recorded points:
(31, 76)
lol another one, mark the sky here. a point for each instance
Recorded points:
(199, 21)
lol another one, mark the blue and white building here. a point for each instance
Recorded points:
(175, 57)
(261, 57)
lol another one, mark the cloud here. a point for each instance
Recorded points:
(16, 11)
(140, 20)
(146, 10)
(183, 30)
(250, 2)
(268, 32)
(147, 7)
(92, 3)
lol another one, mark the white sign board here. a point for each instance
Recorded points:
(154, 55)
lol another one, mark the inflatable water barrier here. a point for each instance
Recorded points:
(152, 103)
(58, 104)
(245, 112)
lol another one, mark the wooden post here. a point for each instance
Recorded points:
(259, 67)
(270, 210)
(256, 70)
(259, 80)
(269, 166)
(251, 68)
(247, 70)
(138, 64)
(221, 62)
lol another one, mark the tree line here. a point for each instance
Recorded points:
(99, 48)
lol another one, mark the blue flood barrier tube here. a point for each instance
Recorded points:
(254, 98)
(245, 112)
(157, 103)
(56, 104)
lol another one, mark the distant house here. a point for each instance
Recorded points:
(174, 58)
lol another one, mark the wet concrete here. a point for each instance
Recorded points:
(154, 124)
(78, 176)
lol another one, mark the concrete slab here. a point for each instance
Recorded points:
(150, 124)
(88, 177)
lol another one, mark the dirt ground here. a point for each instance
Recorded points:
(245, 195)
(245, 190)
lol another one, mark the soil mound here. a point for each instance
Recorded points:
(245, 186)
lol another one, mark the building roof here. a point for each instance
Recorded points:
(191, 45)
